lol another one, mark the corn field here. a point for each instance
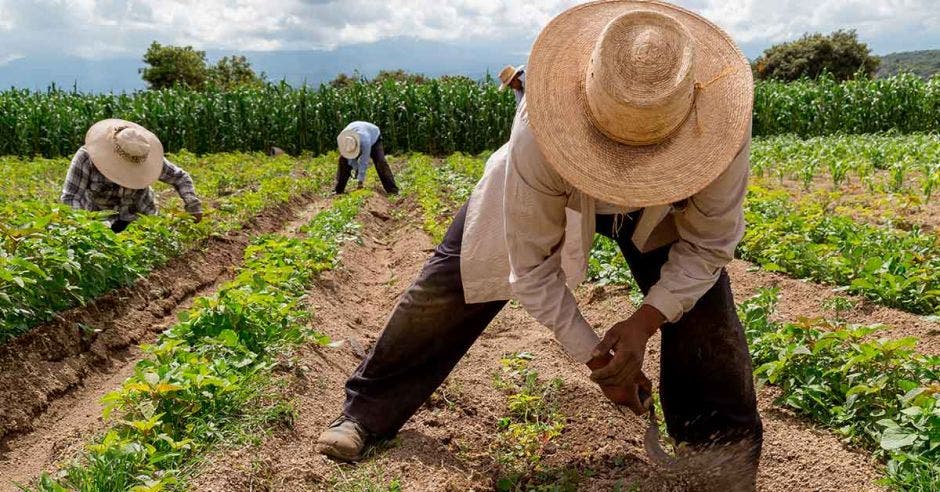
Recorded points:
(437, 117)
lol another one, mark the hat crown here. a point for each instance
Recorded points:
(639, 83)
(131, 142)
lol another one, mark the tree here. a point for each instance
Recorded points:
(232, 72)
(343, 80)
(840, 54)
(170, 66)
(399, 76)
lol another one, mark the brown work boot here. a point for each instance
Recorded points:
(343, 440)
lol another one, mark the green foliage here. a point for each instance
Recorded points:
(825, 106)
(903, 160)
(421, 180)
(880, 394)
(840, 54)
(53, 258)
(172, 66)
(198, 376)
(924, 64)
(438, 116)
(234, 72)
(532, 422)
(895, 268)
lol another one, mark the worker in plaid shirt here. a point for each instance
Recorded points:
(121, 152)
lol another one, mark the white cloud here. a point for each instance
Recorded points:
(105, 28)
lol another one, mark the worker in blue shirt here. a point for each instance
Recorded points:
(359, 142)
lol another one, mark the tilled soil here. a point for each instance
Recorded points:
(447, 444)
(52, 378)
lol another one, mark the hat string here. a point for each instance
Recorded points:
(136, 159)
(700, 87)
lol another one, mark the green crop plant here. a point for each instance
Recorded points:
(437, 117)
(532, 422)
(880, 394)
(895, 268)
(196, 379)
(422, 180)
(53, 258)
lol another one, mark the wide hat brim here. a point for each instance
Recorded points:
(104, 155)
(352, 152)
(515, 73)
(626, 175)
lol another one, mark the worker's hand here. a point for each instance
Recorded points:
(197, 217)
(627, 340)
(633, 395)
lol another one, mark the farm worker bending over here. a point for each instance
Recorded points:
(114, 171)
(358, 142)
(635, 125)
(514, 78)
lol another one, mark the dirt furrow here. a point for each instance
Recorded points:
(52, 379)
(447, 445)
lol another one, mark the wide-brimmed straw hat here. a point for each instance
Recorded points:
(508, 74)
(348, 143)
(638, 103)
(125, 152)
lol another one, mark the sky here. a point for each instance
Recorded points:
(110, 29)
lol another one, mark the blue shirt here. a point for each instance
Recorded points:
(368, 135)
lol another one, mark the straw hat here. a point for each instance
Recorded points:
(348, 143)
(638, 103)
(508, 74)
(125, 152)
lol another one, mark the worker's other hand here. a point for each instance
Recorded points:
(627, 340)
(197, 217)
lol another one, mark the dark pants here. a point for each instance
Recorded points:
(343, 171)
(706, 386)
(119, 225)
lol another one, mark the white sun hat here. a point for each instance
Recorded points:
(638, 103)
(125, 153)
(508, 74)
(348, 143)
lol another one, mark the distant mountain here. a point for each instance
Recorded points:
(924, 63)
(473, 59)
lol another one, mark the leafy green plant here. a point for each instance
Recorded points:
(880, 394)
(197, 377)
(532, 422)
(891, 267)
(53, 258)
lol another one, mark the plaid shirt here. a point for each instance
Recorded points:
(87, 189)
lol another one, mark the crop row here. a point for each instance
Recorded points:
(437, 117)
(53, 258)
(892, 267)
(886, 162)
(201, 376)
(879, 394)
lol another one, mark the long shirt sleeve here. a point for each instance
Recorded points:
(534, 213)
(76, 180)
(709, 226)
(183, 183)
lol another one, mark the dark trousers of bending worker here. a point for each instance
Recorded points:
(706, 384)
(343, 171)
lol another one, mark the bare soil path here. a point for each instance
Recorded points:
(52, 379)
(447, 445)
